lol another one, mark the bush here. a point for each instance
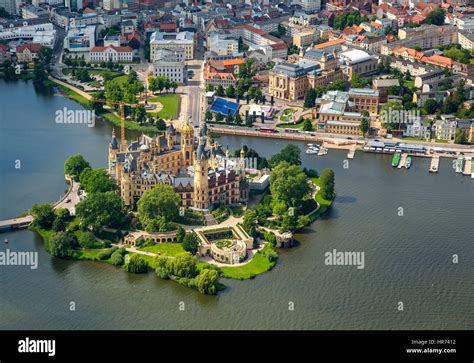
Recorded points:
(62, 244)
(206, 282)
(86, 240)
(136, 265)
(269, 237)
(117, 258)
(105, 255)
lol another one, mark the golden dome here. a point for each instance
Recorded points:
(187, 128)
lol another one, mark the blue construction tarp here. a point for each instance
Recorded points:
(223, 107)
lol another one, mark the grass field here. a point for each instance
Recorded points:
(165, 249)
(258, 265)
(170, 104)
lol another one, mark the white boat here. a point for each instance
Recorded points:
(311, 151)
(309, 145)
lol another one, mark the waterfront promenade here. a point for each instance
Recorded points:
(67, 201)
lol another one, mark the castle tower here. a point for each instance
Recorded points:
(187, 145)
(170, 136)
(113, 149)
(201, 181)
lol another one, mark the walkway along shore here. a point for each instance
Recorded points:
(68, 201)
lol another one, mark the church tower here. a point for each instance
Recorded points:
(113, 149)
(187, 145)
(201, 181)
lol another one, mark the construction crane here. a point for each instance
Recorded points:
(123, 141)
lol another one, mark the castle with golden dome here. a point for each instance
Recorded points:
(198, 168)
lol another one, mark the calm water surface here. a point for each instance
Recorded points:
(407, 259)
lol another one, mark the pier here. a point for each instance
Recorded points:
(351, 154)
(403, 160)
(434, 165)
(467, 165)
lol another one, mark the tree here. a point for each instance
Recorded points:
(207, 281)
(43, 215)
(116, 258)
(230, 91)
(161, 124)
(326, 181)
(140, 113)
(358, 81)
(191, 243)
(180, 234)
(101, 209)
(290, 154)
(161, 201)
(436, 17)
(390, 115)
(161, 263)
(307, 125)
(75, 165)
(289, 223)
(364, 123)
(238, 118)
(219, 117)
(96, 181)
(183, 265)
(136, 265)
(310, 98)
(61, 244)
(220, 91)
(431, 106)
(289, 184)
(86, 240)
(208, 116)
(460, 137)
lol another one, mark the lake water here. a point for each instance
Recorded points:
(408, 258)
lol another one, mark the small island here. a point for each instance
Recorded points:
(182, 205)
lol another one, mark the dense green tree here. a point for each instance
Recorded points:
(310, 98)
(230, 91)
(460, 137)
(191, 243)
(101, 209)
(86, 240)
(136, 265)
(161, 263)
(207, 281)
(180, 234)
(61, 244)
(289, 184)
(183, 265)
(220, 91)
(431, 106)
(289, 222)
(390, 115)
(116, 258)
(140, 113)
(327, 184)
(74, 166)
(290, 154)
(358, 81)
(436, 17)
(43, 215)
(96, 181)
(161, 201)
(307, 125)
(161, 124)
(208, 116)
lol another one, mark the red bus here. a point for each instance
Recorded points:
(262, 129)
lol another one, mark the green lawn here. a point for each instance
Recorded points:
(324, 203)
(442, 141)
(258, 265)
(165, 249)
(170, 104)
(297, 125)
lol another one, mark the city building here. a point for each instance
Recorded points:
(310, 6)
(290, 81)
(222, 72)
(342, 112)
(418, 128)
(111, 53)
(181, 40)
(170, 63)
(27, 52)
(445, 129)
(201, 172)
(222, 44)
(81, 39)
(358, 61)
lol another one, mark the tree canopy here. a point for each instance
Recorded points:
(290, 154)
(161, 202)
(96, 181)
(101, 209)
(289, 184)
(75, 165)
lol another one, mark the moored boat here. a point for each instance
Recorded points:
(396, 159)
(408, 162)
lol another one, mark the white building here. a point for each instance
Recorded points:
(445, 129)
(310, 6)
(43, 34)
(222, 44)
(418, 128)
(181, 40)
(9, 6)
(80, 39)
(111, 53)
(170, 63)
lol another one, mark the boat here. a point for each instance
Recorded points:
(396, 159)
(311, 151)
(459, 165)
(310, 145)
(408, 162)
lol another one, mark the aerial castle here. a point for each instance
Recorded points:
(202, 174)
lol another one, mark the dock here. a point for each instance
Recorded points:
(467, 165)
(351, 154)
(403, 159)
(434, 165)
(322, 151)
